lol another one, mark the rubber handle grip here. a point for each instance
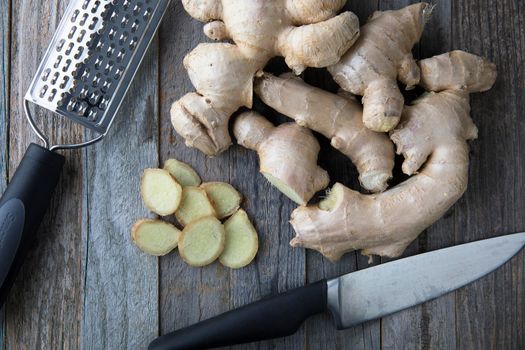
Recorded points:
(22, 208)
(269, 318)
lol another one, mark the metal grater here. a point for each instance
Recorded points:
(91, 61)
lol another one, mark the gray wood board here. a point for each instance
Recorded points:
(431, 325)
(4, 115)
(490, 313)
(45, 306)
(121, 285)
(86, 285)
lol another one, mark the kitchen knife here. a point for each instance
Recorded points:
(352, 298)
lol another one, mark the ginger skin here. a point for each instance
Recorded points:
(382, 54)
(305, 33)
(433, 133)
(336, 117)
(287, 153)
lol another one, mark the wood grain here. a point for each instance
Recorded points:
(121, 282)
(86, 286)
(490, 312)
(5, 31)
(431, 325)
(321, 333)
(187, 294)
(45, 306)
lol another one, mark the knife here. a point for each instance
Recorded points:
(352, 298)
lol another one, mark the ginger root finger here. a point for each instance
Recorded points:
(448, 71)
(381, 55)
(222, 73)
(287, 153)
(433, 133)
(337, 118)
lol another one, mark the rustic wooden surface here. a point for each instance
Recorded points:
(86, 286)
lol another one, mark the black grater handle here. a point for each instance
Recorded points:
(22, 208)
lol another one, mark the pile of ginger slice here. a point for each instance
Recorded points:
(368, 121)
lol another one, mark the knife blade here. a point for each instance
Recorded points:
(352, 298)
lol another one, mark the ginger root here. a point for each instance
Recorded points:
(287, 153)
(383, 53)
(336, 117)
(433, 133)
(305, 33)
(155, 237)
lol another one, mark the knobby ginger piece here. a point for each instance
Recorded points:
(160, 192)
(432, 137)
(306, 33)
(182, 172)
(339, 118)
(193, 206)
(287, 155)
(224, 198)
(381, 55)
(155, 237)
(202, 241)
(241, 241)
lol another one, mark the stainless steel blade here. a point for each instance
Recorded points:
(381, 290)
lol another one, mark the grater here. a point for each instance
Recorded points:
(84, 76)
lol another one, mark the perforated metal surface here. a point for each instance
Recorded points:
(93, 57)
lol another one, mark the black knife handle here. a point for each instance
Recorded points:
(22, 207)
(268, 318)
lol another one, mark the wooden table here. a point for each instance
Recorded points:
(85, 285)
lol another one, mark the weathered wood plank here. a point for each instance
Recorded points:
(490, 312)
(431, 325)
(188, 294)
(5, 31)
(121, 288)
(321, 333)
(45, 305)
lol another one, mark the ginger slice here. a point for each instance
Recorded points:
(182, 172)
(193, 206)
(160, 192)
(224, 198)
(155, 237)
(241, 241)
(202, 241)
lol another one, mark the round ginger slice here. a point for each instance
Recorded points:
(182, 172)
(160, 192)
(224, 198)
(193, 206)
(242, 242)
(155, 237)
(202, 241)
